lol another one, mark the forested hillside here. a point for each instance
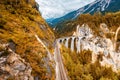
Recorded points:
(112, 20)
(20, 21)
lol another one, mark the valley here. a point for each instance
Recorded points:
(82, 45)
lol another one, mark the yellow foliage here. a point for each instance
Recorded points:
(79, 66)
(19, 22)
(111, 19)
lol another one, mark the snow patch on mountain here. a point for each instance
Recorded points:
(104, 4)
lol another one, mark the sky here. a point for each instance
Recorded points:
(58, 8)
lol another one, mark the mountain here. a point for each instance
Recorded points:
(29, 51)
(20, 23)
(67, 28)
(97, 6)
(57, 8)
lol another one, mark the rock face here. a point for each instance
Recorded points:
(19, 33)
(12, 66)
(84, 39)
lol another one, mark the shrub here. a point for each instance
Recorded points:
(79, 66)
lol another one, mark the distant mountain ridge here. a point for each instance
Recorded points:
(97, 6)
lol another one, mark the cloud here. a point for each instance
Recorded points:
(57, 8)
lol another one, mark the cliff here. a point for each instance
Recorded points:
(20, 21)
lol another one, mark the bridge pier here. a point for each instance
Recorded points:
(78, 44)
(66, 43)
(72, 44)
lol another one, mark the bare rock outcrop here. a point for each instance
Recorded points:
(85, 39)
(12, 66)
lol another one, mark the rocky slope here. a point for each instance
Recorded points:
(20, 21)
(12, 66)
(88, 56)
